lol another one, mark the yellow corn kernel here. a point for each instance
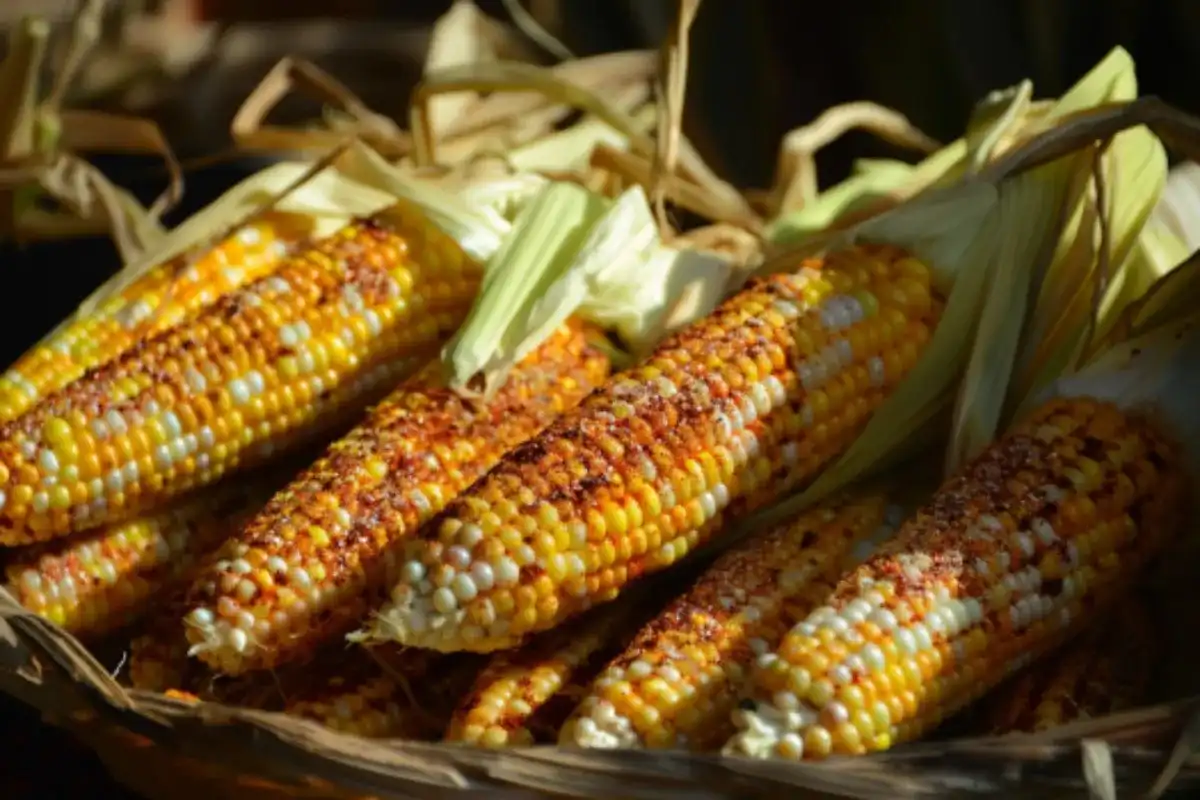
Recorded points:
(734, 387)
(328, 539)
(178, 410)
(410, 695)
(921, 626)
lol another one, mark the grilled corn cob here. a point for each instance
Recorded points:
(1107, 670)
(731, 413)
(518, 698)
(1010, 557)
(410, 696)
(305, 570)
(98, 581)
(155, 302)
(265, 367)
(679, 680)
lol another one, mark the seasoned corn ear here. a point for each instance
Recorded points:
(681, 677)
(409, 696)
(1018, 552)
(522, 696)
(95, 582)
(312, 564)
(1107, 670)
(160, 299)
(727, 415)
(264, 368)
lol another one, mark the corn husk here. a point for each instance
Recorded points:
(986, 236)
(483, 103)
(794, 189)
(547, 236)
(572, 253)
(1070, 291)
(47, 190)
(349, 182)
(462, 111)
(1155, 371)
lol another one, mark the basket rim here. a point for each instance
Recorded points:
(49, 669)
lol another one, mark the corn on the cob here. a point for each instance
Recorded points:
(1009, 558)
(518, 698)
(101, 580)
(265, 367)
(308, 568)
(729, 414)
(154, 302)
(1107, 670)
(677, 683)
(410, 696)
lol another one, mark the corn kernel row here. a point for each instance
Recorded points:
(95, 582)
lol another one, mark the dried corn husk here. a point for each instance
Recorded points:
(41, 140)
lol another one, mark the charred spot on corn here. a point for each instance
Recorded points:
(262, 369)
(312, 564)
(725, 416)
(957, 601)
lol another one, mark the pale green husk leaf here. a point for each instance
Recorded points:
(1068, 313)
(985, 243)
(479, 230)
(508, 319)
(575, 254)
(875, 180)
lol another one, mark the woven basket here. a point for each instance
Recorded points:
(162, 747)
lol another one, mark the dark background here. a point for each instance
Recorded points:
(758, 69)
